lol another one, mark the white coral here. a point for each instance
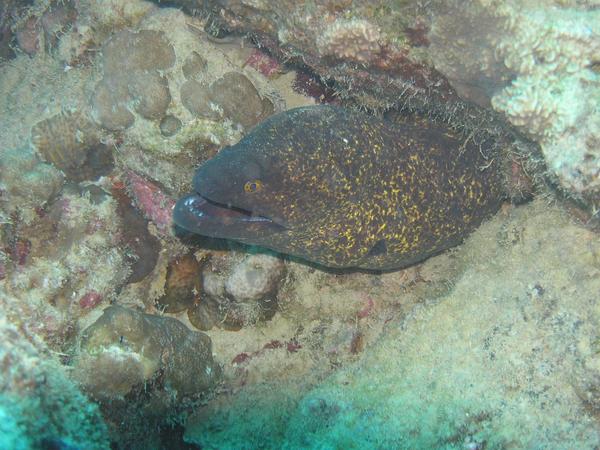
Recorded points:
(356, 40)
(537, 63)
(555, 94)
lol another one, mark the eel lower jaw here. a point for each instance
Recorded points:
(202, 216)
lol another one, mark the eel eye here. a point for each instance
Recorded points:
(253, 186)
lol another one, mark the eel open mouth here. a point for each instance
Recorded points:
(203, 216)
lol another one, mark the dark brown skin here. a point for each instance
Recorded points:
(345, 189)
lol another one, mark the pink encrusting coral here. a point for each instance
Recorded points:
(151, 200)
(263, 63)
(90, 300)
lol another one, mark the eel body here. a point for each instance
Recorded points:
(344, 189)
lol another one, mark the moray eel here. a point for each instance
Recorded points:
(344, 189)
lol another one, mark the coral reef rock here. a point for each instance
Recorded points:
(254, 278)
(41, 26)
(171, 110)
(233, 95)
(39, 406)
(71, 143)
(26, 183)
(375, 50)
(142, 247)
(132, 62)
(182, 285)
(151, 201)
(538, 66)
(75, 250)
(135, 348)
(238, 293)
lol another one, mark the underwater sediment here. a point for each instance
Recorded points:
(119, 331)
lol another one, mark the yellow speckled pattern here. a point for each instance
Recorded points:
(354, 190)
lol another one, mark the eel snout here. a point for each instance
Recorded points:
(200, 215)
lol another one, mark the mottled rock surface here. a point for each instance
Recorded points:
(135, 348)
